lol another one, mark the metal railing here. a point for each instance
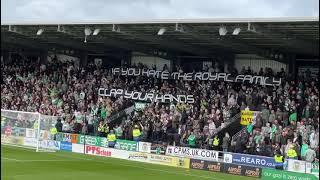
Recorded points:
(238, 134)
(227, 124)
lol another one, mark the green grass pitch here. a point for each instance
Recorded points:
(26, 164)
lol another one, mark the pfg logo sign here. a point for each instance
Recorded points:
(98, 151)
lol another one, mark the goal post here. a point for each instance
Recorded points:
(28, 129)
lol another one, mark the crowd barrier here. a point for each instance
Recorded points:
(183, 157)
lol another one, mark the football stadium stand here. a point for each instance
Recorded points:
(176, 83)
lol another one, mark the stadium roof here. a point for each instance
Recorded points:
(203, 37)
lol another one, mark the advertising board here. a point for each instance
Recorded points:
(169, 160)
(269, 174)
(98, 151)
(144, 147)
(315, 168)
(250, 160)
(158, 149)
(143, 157)
(50, 144)
(30, 133)
(240, 170)
(65, 146)
(233, 169)
(296, 166)
(192, 153)
(12, 140)
(126, 145)
(89, 140)
(16, 131)
(77, 148)
(30, 142)
(206, 165)
(67, 137)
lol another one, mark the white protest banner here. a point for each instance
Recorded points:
(203, 76)
(146, 96)
(192, 153)
(144, 147)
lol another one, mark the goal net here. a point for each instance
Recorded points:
(28, 129)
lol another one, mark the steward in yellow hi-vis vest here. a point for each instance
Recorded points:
(101, 129)
(111, 139)
(35, 124)
(136, 133)
(292, 154)
(53, 131)
(216, 143)
(278, 158)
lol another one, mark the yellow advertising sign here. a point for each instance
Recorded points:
(169, 160)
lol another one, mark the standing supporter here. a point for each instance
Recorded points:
(225, 142)
(136, 133)
(192, 139)
(111, 139)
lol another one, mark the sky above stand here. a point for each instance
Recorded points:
(112, 10)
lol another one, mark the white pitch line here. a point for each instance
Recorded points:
(10, 159)
(40, 160)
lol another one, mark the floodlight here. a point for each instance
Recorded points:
(280, 56)
(222, 31)
(161, 31)
(115, 28)
(96, 32)
(40, 31)
(87, 31)
(236, 31)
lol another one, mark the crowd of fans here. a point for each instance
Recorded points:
(289, 115)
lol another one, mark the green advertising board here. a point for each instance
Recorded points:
(268, 174)
(93, 140)
(315, 167)
(126, 145)
(89, 140)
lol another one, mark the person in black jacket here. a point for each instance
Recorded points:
(58, 125)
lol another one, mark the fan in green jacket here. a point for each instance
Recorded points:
(192, 139)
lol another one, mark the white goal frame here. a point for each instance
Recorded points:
(37, 131)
